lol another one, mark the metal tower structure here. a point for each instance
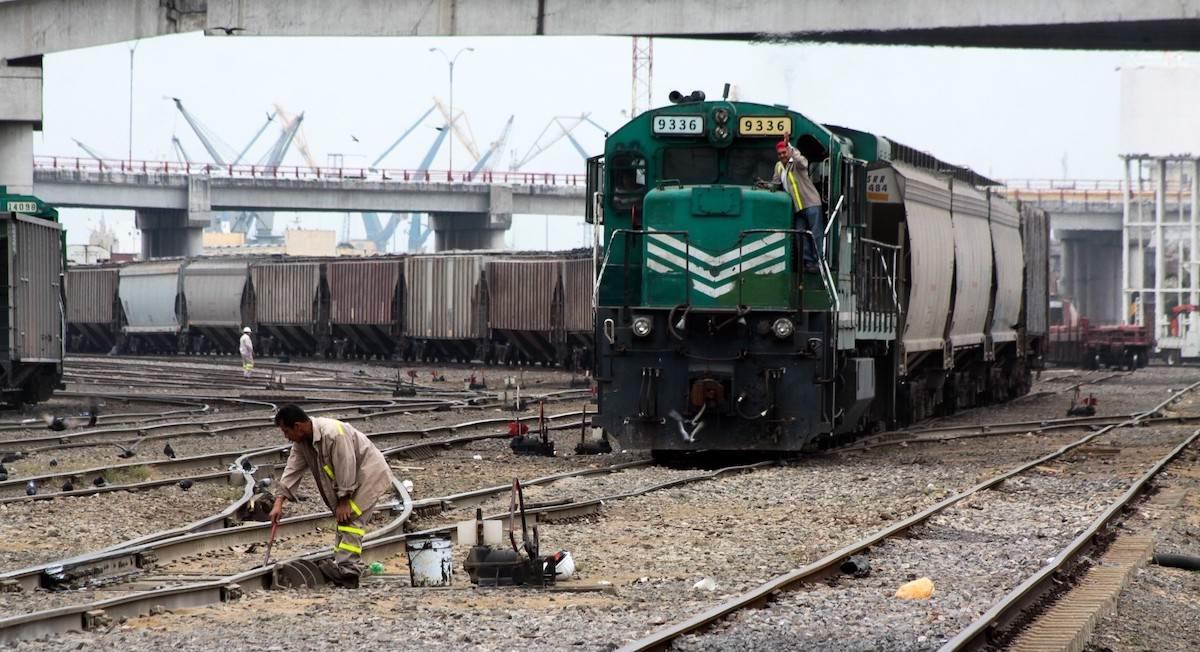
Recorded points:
(1161, 237)
(643, 74)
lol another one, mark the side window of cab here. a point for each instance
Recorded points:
(628, 171)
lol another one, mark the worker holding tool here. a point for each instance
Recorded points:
(351, 475)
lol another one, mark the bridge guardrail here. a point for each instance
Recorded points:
(1098, 192)
(303, 172)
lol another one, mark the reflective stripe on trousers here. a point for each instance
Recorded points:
(347, 546)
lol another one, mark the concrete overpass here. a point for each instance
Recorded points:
(174, 202)
(1087, 219)
(30, 29)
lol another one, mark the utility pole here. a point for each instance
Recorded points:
(451, 60)
(132, 49)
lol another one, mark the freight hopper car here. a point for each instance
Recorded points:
(492, 307)
(291, 307)
(446, 308)
(216, 304)
(365, 306)
(930, 293)
(32, 261)
(150, 296)
(94, 317)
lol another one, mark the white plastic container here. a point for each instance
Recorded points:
(430, 561)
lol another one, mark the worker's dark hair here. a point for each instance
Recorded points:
(290, 415)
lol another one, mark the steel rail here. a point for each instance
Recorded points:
(376, 545)
(121, 557)
(996, 621)
(116, 564)
(211, 476)
(27, 578)
(86, 476)
(381, 408)
(828, 565)
(1000, 430)
(234, 364)
(111, 436)
(91, 615)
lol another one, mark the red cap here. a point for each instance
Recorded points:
(781, 146)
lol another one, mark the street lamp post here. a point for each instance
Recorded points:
(450, 60)
(132, 49)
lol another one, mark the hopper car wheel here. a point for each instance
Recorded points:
(39, 389)
(664, 456)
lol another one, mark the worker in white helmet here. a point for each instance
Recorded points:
(246, 348)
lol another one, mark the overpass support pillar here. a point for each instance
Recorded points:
(475, 230)
(20, 116)
(167, 233)
(1090, 278)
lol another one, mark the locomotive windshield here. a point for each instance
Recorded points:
(739, 166)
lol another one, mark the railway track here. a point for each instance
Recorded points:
(367, 409)
(262, 459)
(830, 564)
(999, 623)
(383, 545)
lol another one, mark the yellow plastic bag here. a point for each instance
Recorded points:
(916, 590)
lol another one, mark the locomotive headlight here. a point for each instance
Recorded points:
(783, 328)
(721, 132)
(642, 326)
(721, 116)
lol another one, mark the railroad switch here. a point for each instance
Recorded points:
(539, 444)
(1082, 408)
(596, 446)
(405, 390)
(489, 563)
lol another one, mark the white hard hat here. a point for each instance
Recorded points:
(246, 329)
(564, 564)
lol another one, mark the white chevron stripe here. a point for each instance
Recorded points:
(728, 272)
(656, 266)
(714, 291)
(678, 261)
(717, 261)
(711, 291)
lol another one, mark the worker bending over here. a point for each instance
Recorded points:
(351, 474)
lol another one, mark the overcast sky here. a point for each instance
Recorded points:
(1005, 113)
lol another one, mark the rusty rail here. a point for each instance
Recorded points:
(828, 565)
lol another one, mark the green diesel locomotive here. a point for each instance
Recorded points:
(712, 333)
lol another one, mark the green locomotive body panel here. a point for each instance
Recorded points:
(692, 167)
(718, 247)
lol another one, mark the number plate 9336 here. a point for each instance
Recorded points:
(679, 125)
(754, 125)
